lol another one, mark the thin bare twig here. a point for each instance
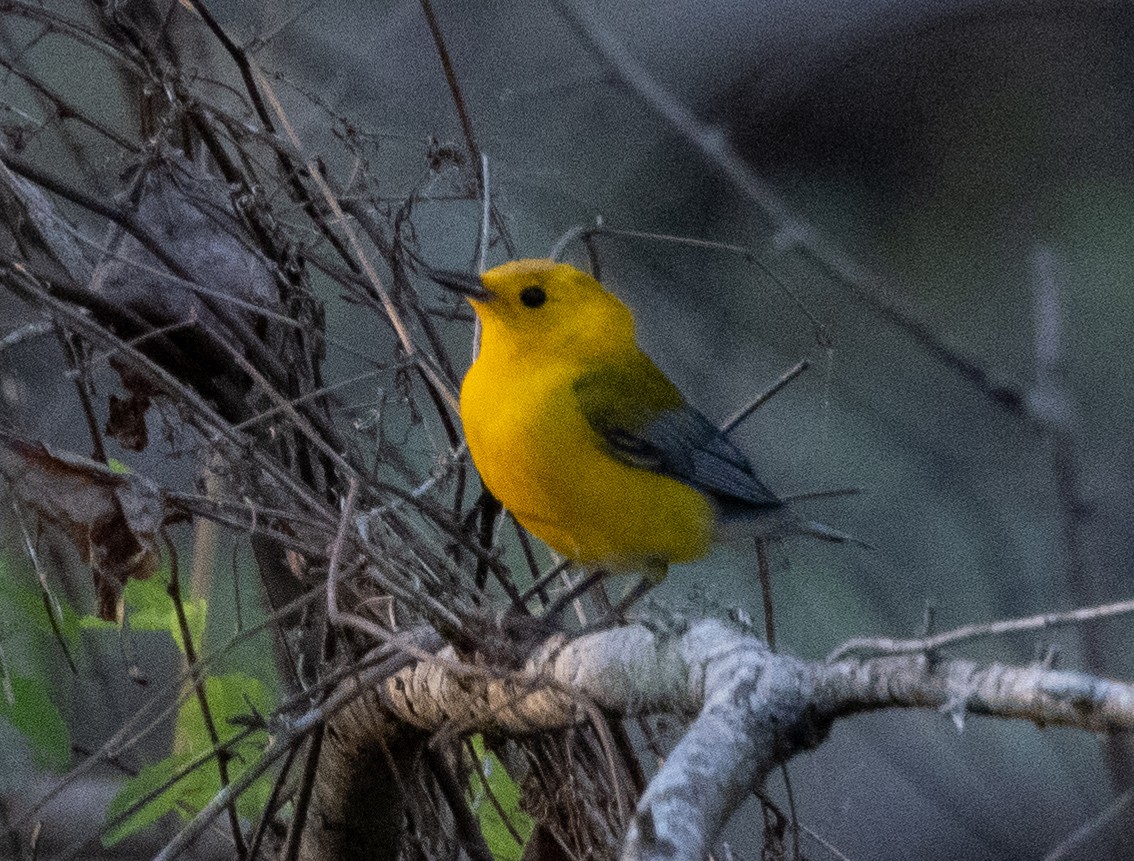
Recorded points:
(888, 646)
(471, 145)
(453, 791)
(224, 798)
(333, 613)
(69, 110)
(26, 333)
(731, 423)
(821, 330)
(765, 800)
(273, 805)
(222, 754)
(50, 602)
(303, 799)
(478, 769)
(360, 255)
(454, 86)
(1069, 847)
(125, 219)
(485, 216)
(765, 572)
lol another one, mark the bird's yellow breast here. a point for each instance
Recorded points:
(540, 457)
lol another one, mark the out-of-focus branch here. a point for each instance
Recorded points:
(791, 232)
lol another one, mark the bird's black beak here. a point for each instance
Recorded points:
(464, 283)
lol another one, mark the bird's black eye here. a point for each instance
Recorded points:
(533, 297)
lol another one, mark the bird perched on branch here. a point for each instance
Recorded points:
(580, 435)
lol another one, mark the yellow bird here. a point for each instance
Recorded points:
(580, 435)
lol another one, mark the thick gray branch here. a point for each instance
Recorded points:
(753, 709)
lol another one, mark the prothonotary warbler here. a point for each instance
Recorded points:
(580, 435)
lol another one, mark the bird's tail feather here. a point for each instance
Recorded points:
(825, 533)
(779, 522)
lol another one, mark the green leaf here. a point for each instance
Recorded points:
(232, 695)
(229, 696)
(148, 603)
(25, 703)
(22, 603)
(151, 609)
(118, 467)
(502, 843)
(66, 617)
(195, 617)
(147, 782)
(90, 622)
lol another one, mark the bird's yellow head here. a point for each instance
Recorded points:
(538, 304)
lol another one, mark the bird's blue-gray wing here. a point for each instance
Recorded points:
(644, 422)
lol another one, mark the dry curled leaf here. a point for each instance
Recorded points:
(127, 416)
(111, 517)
